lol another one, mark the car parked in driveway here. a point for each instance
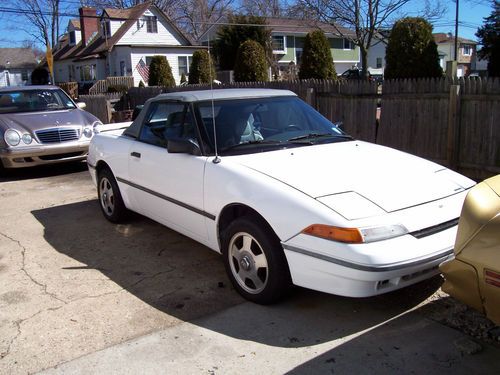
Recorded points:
(473, 276)
(42, 125)
(285, 195)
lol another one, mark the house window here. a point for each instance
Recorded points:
(467, 50)
(122, 68)
(150, 22)
(106, 27)
(88, 72)
(72, 38)
(298, 56)
(184, 64)
(348, 44)
(379, 62)
(279, 44)
(24, 76)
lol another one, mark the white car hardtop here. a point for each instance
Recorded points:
(285, 196)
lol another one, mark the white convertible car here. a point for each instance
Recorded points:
(285, 195)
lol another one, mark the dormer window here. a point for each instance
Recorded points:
(467, 50)
(279, 44)
(106, 28)
(72, 38)
(151, 23)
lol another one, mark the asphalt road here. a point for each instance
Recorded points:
(80, 295)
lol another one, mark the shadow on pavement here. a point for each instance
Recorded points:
(42, 171)
(187, 280)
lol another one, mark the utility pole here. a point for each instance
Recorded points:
(456, 31)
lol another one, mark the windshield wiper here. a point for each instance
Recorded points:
(247, 143)
(312, 136)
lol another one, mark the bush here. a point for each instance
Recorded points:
(231, 37)
(317, 60)
(489, 37)
(202, 69)
(40, 76)
(141, 84)
(411, 51)
(250, 64)
(160, 73)
(117, 88)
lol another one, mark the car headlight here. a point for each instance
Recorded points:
(88, 132)
(95, 126)
(356, 235)
(27, 138)
(12, 137)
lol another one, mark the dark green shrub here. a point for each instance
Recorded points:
(202, 69)
(231, 37)
(250, 65)
(489, 38)
(160, 73)
(141, 84)
(117, 88)
(40, 76)
(411, 51)
(317, 60)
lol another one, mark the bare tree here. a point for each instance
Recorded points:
(363, 18)
(263, 8)
(43, 18)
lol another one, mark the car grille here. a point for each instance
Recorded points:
(58, 135)
(434, 229)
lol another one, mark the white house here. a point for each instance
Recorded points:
(16, 66)
(376, 54)
(121, 42)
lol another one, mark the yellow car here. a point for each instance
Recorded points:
(473, 277)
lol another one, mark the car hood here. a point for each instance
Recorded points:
(33, 121)
(391, 179)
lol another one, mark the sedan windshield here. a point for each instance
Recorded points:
(34, 101)
(254, 125)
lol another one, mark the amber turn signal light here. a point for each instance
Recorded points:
(348, 235)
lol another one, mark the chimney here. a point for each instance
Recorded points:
(88, 23)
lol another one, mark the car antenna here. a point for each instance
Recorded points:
(217, 159)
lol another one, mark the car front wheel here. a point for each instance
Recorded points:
(110, 199)
(255, 261)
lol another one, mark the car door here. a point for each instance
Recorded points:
(168, 187)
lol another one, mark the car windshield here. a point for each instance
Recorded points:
(261, 124)
(34, 100)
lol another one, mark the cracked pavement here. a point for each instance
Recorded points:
(72, 283)
(81, 295)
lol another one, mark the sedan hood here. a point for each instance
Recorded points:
(391, 179)
(33, 121)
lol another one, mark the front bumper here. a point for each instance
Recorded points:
(28, 156)
(369, 269)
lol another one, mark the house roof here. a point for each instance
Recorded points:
(16, 58)
(101, 44)
(75, 23)
(298, 26)
(442, 38)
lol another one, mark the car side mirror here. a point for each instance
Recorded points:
(81, 105)
(183, 146)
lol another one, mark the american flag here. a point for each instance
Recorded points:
(143, 70)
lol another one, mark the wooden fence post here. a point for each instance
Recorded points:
(310, 97)
(453, 127)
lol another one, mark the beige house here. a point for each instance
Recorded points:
(466, 57)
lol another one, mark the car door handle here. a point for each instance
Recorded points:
(135, 154)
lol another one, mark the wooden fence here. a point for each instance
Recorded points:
(101, 106)
(453, 122)
(102, 86)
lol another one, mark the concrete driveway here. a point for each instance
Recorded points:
(80, 295)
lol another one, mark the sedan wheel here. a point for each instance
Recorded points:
(110, 199)
(255, 261)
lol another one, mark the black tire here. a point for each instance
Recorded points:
(262, 280)
(110, 198)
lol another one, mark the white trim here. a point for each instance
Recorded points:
(278, 51)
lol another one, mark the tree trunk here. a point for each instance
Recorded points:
(364, 62)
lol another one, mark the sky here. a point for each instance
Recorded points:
(471, 15)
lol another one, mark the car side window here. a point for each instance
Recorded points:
(167, 121)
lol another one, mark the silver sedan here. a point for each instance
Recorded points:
(42, 125)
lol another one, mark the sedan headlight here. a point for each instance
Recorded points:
(12, 137)
(356, 235)
(27, 138)
(95, 126)
(88, 132)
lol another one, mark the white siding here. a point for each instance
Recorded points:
(14, 77)
(171, 54)
(61, 69)
(120, 53)
(376, 51)
(166, 34)
(115, 25)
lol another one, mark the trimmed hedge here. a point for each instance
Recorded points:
(160, 73)
(202, 69)
(317, 60)
(250, 64)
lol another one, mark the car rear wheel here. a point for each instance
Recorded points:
(110, 199)
(255, 261)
